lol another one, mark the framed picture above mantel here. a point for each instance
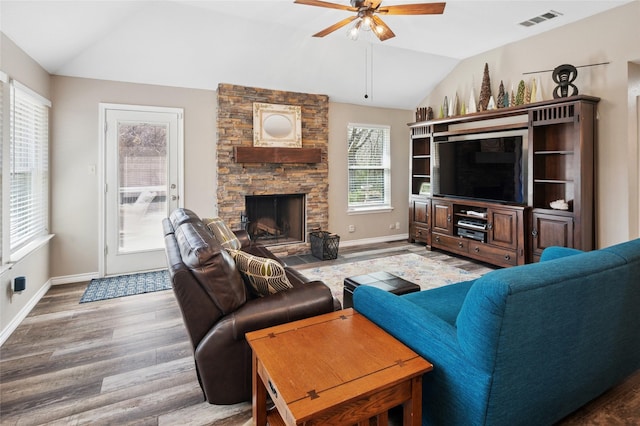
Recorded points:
(277, 125)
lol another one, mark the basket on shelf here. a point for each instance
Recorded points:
(324, 245)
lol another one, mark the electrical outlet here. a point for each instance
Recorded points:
(352, 228)
(391, 226)
(397, 225)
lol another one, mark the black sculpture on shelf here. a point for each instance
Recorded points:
(564, 76)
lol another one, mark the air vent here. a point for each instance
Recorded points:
(540, 18)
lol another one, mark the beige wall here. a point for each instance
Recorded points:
(611, 37)
(373, 225)
(35, 266)
(75, 136)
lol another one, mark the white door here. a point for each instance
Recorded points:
(142, 184)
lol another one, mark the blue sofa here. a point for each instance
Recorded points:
(523, 345)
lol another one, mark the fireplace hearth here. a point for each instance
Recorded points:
(275, 219)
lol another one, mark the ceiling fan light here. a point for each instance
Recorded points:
(368, 22)
(354, 31)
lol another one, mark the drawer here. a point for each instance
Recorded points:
(494, 255)
(446, 242)
(421, 233)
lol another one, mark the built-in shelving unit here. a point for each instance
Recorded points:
(420, 159)
(560, 166)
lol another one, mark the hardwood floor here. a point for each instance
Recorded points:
(129, 361)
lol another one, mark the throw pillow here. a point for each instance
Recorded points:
(223, 234)
(265, 276)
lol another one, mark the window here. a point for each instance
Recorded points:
(28, 167)
(369, 167)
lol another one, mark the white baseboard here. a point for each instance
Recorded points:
(374, 240)
(15, 322)
(72, 279)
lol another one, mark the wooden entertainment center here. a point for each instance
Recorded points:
(557, 164)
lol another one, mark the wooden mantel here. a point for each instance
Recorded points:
(251, 154)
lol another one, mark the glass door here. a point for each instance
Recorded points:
(141, 186)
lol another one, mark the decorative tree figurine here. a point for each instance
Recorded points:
(534, 90)
(520, 95)
(538, 97)
(501, 102)
(485, 89)
(472, 103)
(512, 101)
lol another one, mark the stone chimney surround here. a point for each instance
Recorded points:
(237, 180)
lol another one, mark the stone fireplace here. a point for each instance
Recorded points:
(239, 181)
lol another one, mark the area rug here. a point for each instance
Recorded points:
(427, 273)
(126, 285)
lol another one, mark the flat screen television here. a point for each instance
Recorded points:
(490, 169)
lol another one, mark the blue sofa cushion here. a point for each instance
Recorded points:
(555, 252)
(444, 302)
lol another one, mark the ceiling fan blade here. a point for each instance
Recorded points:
(327, 4)
(335, 26)
(382, 30)
(413, 9)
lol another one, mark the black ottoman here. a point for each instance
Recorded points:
(382, 280)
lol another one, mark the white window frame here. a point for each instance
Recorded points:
(38, 234)
(374, 206)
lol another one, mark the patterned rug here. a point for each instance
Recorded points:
(427, 273)
(126, 285)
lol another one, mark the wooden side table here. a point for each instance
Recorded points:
(334, 369)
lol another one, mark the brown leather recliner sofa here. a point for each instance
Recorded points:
(218, 308)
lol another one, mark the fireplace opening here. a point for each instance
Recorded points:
(275, 219)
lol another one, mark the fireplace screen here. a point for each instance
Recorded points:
(275, 219)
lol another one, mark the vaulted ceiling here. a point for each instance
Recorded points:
(269, 44)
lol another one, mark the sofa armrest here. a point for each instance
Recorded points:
(296, 277)
(296, 303)
(456, 391)
(415, 327)
(557, 252)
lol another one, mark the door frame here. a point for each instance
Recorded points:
(101, 167)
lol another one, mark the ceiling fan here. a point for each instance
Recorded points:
(367, 15)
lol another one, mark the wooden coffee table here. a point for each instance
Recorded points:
(334, 369)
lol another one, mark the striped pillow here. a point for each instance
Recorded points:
(223, 234)
(266, 276)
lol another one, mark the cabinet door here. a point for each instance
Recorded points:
(502, 228)
(550, 230)
(421, 222)
(442, 217)
(421, 212)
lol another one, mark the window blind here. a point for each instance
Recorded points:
(3, 81)
(369, 165)
(29, 166)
